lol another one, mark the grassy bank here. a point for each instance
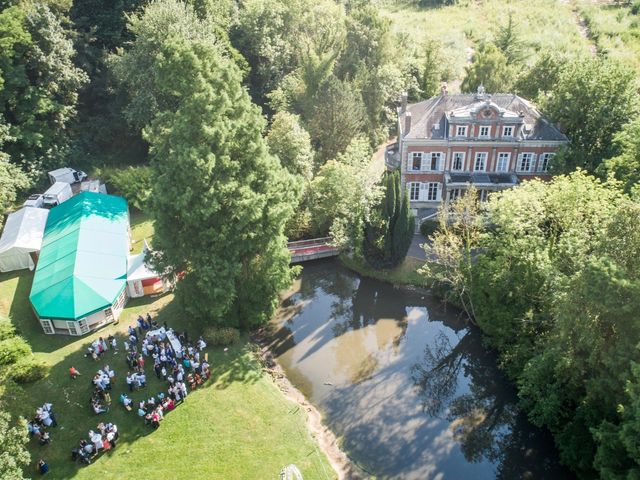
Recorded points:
(404, 274)
(543, 25)
(237, 426)
(614, 28)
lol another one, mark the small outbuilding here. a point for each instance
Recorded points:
(142, 279)
(80, 283)
(22, 239)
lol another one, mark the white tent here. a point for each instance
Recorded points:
(22, 238)
(141, 278)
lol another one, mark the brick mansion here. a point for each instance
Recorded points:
(449, 142)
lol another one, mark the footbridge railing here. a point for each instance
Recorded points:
(312, 249)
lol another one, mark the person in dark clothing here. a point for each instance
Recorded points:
(43, 466)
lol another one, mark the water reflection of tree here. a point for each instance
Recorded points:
(485, 420)
(437, 375)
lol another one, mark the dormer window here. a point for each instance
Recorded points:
(507, 131)
(461, 131)
(484, 132)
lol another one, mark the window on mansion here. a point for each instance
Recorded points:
(480, 164)
(543, 163)
(457, 162)
(428, 192)
(502, 164)
(416, 161)
(525, 162)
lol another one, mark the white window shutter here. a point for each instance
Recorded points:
(439, 192)
(532, 168)
(440, 161)
(519, 162)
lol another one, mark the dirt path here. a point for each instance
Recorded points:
(581, 24)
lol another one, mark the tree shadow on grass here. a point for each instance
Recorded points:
(70, 398)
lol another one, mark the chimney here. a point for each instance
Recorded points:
(403, 102)
(407, 122)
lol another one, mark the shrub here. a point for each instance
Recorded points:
(7, 329)
(428, 227)
(133, 183)
(28, 370)
(299, 225)
(13, 349)
(222, 336)
(635, 8)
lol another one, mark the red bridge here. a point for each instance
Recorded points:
(304, 250)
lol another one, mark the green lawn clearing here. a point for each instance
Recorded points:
(141, 229)
(237, 426)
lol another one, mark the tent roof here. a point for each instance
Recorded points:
(24, 229)
(83, 262)
(138, 269)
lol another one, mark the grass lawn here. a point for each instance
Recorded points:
(404, 274)
(237, 426)
(543, 24)
(614, 29)
(141, 229)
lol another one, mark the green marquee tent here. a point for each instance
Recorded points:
(83, 261)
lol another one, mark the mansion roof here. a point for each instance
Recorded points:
(430, 119)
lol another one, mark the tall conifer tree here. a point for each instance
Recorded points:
(220, 200)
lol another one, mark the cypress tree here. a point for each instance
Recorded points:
(389, 231)
(403, 231)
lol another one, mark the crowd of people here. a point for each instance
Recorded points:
(175, 360)
(43, 419)
(102, 439)
(37, 428)
(102, 384)
(178, 363)
(100, 346)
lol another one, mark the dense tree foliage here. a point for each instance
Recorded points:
(38, 86)
(13, 448)
(12, 180)
(452, 243)
(507, 39)
(552, 274)
(136, 68)
(342, 194)
(591, 100)
(542, 76)
(626, 165)
(219, 199)
(390, 228)
(290, 142)
(490, 67)
(100, 30)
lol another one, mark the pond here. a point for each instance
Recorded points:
(404, 382)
